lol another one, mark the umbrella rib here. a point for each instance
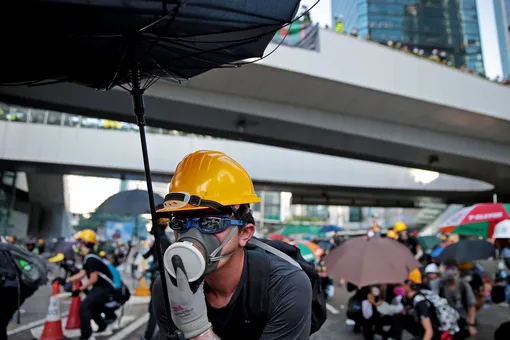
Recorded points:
(119, 65)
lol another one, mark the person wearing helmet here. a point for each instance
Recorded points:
(432, 276)
(391, 234)
(400, 228)
(502, 240)
(99, 286)
(208, 270)
(41, 246)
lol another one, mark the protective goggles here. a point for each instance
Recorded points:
(177, 200)
(205, 224)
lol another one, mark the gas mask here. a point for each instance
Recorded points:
(200, 253)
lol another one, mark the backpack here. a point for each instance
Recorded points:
(292, 255)
(29, 267)
(115, 281)
(447, 316)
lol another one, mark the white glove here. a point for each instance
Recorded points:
(189, 310)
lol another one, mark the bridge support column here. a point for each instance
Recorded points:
(49, 213)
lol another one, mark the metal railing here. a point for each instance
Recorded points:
(35, 116)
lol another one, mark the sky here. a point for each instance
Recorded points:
(322, 13)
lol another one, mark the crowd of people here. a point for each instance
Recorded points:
(434, 55)
(440, 300)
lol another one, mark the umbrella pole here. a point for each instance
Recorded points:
(139, 110)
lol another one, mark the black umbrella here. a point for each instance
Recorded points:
(128, 203)
(468, 250)
(132, 44)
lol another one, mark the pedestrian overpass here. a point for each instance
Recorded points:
(312, 178)
(353, 99)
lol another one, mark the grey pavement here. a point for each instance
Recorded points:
(134, 326)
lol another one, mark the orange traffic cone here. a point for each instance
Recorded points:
(73, 319)
(53, 325)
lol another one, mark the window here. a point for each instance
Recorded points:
(4, 111)
(37, 116)
(54, 118)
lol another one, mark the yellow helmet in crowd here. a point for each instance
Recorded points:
(87, 235)
(392, 234)
(399, 227)
(415, 276)
(208, 176)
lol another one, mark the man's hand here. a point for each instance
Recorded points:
(472, 330)
(189, 310)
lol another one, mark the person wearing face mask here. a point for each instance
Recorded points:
(371, 316)
(432, 276)
(210, 272)
(459, 295)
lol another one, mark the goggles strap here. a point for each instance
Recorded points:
(213, 256)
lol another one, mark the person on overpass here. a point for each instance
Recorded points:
(100, 282)
(209, 207)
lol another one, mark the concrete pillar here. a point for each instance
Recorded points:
(49, 215)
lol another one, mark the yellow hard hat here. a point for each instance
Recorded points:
(87, 235)
(399, 226)
(392, 234)
(102, 253)
(415, 276)
(40, 241)
(208, 176)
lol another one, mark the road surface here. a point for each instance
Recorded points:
(135, 318)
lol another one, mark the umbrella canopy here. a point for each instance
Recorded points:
(330, 228)
(316, 250)
(366, 261)
(306, 252)
(437, 252)
(477, 220)
(169, 39)
(128, 203)
(300, 229)
(468, 250)
(277, 237)
(429, 242)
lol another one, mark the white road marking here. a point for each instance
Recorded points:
(130, 329)
(29, 325)
(332, 309)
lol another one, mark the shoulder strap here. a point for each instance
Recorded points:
(255, 294)
(274, 251)
(102, 275)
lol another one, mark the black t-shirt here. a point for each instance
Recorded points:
(289, 300)
(411, 243)
(95, 264)
(422, 308)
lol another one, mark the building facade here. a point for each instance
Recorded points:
(501, 11)
(446, 25)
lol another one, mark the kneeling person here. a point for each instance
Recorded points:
(217, 298)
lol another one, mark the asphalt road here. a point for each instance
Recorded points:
(135, 317)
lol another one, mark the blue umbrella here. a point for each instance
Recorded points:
(330, 228)
(436, 252)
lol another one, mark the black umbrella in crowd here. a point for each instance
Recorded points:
(128, 203)
(468, 250)
(132, 44)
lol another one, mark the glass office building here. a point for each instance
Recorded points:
(446, 25)
(501, 12)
